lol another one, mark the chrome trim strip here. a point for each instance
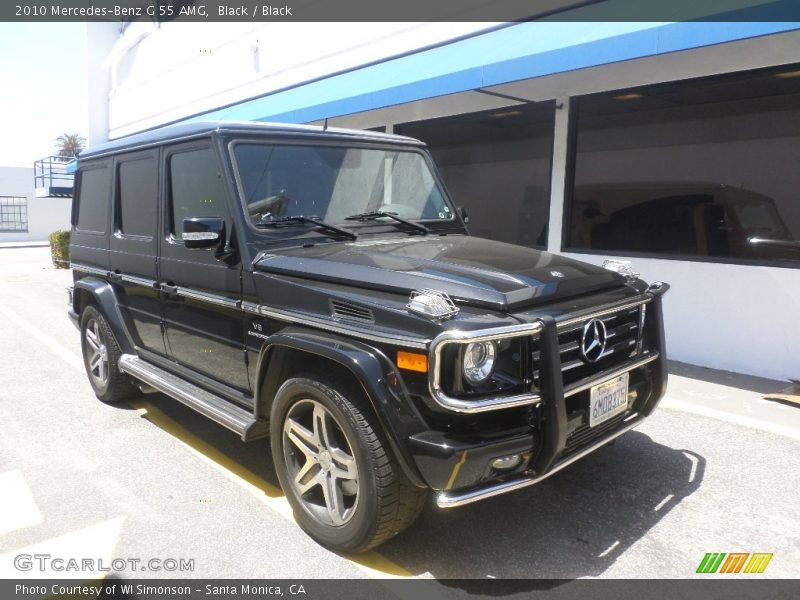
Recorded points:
(400, 340)
(466, 337)
(215, 299)
(585, 384)
(451, 500)
(152, 283)
(88, 269)
(577, 319)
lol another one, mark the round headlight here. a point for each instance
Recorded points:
(479, 361)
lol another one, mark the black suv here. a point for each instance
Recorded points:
(319, 287)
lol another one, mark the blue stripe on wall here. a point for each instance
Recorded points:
(513, 53)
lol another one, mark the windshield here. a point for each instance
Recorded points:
(333, 183)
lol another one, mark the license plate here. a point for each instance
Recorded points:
(608, 399)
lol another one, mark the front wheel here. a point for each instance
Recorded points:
(345, 487)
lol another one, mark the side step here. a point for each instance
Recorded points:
(210, 405)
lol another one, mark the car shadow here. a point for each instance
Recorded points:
(572, 525)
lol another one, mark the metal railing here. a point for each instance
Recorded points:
(51, 177)
(13, 214)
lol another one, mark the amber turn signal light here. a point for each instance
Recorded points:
(411, 361)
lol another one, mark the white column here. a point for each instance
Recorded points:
(100, 40)
(560, 142)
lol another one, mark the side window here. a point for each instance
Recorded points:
(137, 196)
(93, 201)
(196, 188)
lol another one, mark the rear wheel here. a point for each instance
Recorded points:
(344, 485)
(100, 357)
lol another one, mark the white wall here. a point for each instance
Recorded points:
(45, 215)
(158, 75)
(733, 317)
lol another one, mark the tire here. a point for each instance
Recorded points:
(373, 499)
(100, 358)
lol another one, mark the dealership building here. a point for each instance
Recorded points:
(675, 146)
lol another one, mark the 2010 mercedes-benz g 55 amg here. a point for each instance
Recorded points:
(319, 287)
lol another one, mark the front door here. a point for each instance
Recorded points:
(200, 294)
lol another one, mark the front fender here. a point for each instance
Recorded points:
(103, 296)
(377, 375)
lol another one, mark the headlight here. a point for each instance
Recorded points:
(479, 361)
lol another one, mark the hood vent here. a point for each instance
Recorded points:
(344, 311)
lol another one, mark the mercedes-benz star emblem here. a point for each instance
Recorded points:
(593, 340)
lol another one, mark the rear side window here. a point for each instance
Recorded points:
(93, 199)
(138, 196)
(196, 187)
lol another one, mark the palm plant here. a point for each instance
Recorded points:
(68, 145)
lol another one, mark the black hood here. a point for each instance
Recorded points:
(471, 270)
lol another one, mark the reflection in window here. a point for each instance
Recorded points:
(336, 182)
(691, 169)
(196, 187)
(496, 164)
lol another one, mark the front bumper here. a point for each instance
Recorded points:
(459, 466)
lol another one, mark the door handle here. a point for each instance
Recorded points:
(170, 289)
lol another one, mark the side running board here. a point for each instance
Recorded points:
(210, 405)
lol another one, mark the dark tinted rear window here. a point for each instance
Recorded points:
(138, 190)
(94, 199)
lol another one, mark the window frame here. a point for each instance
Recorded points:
(448, 223)
(106, 164)
(168, 214)
(569, 186)
(119, 160)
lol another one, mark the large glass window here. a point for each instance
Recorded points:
(137, 185)
(335, 182)
(196, 187)
(94, 199)
(496, 164)
(703, 168)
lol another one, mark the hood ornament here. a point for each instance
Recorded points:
(432, 304)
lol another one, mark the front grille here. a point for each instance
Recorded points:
(583, 435)
(623, 331)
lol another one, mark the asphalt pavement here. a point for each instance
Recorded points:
(715, 469)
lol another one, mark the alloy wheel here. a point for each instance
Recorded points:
(97, 353)
(320, 462)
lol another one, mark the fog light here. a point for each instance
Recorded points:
(506, 462)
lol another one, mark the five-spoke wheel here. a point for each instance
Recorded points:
(346, 488)
(100, 355)
(320, 462)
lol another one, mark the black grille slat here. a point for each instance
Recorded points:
(584, 434)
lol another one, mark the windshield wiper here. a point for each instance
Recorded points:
(377, 214)
(274, 222)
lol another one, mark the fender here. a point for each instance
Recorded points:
(377, 375)
(106, 301)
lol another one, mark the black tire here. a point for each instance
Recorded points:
(115, 386)
(386, 502)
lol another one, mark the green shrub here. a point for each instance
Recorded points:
(59, 249)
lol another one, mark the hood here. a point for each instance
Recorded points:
(471, 270)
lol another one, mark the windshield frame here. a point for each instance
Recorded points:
(451, 223)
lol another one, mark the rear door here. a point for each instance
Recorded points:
(134, 247)
(200, 294)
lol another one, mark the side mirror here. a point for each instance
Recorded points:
(203, 232)
(464, 216)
